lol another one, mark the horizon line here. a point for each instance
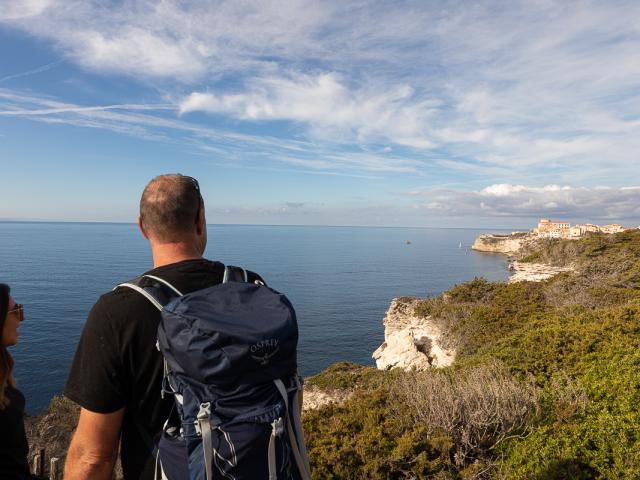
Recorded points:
(97, 222)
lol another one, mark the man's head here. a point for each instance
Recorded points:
(172, 211)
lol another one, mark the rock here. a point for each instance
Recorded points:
(410, 341)
(52, 430)
(535, 272)
(315, 397)
(507, 244)
(510, 245)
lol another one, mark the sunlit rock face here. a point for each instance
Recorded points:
(535, 272)
(507, 244)
(411, 341)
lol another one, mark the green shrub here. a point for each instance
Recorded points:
(349, 376)
(603, 442)
(573, 339)
(363, 439)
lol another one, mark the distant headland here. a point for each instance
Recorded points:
(509, 244)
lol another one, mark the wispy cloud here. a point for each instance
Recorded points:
(33, 71)
(81, 110)
(488, 88)
(149, 122)
(330, 108)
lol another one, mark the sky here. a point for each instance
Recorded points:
(383, 113)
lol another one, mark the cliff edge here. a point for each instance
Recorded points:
(411, 341)
(507, 244)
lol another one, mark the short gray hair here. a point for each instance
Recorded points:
(169, 206)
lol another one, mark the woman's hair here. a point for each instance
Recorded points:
(6, 362)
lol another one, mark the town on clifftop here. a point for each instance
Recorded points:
(561, 229)
(510, 244)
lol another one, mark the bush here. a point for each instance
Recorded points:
(363, 439)
(434, 424)
(601, 441)
(475, 410)
(546, 383)
(349, 376)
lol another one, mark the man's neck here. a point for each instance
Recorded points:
(168, 253)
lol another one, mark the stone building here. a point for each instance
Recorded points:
(613, 228)
(561, 229)
(548, 229)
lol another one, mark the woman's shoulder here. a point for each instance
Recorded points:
(15, 397)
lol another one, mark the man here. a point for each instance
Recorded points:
(117, 371)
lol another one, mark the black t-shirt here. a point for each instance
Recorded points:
(13, 440)
(117, 364)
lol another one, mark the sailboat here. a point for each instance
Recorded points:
(460, 246)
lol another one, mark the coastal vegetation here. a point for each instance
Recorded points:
(546, 383)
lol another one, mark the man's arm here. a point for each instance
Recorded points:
(94, 447)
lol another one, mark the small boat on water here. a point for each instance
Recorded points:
(460, 246)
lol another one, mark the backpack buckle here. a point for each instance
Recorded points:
(277, 427)
(204, 414)
(205, 411)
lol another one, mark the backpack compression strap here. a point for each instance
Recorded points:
(295, 432)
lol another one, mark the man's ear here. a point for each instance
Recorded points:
(142, 230)
(202, 222)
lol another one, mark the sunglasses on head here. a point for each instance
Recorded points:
(196, 185)
(18, 309)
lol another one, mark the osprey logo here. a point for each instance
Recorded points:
(264, 350)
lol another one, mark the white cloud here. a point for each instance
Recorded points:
(506, 200)
(137, 50)
(171, 39)
(328, 106)
(513, 88)
(506, 190)
(23, 9)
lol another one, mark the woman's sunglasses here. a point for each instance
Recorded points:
(19, 309)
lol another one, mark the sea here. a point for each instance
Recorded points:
(341, 281)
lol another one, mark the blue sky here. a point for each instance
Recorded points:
(487, 114)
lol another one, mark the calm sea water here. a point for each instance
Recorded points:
(340, 279)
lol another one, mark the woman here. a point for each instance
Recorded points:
(13, 441)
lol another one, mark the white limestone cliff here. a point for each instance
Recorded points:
(507, 244)
(411, 341)
(535, 272)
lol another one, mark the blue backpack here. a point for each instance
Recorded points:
(230, 363)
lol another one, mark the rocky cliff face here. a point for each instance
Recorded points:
(410, 341)
(52, 431)
(315, 397)
(508, 244)
(535, 272)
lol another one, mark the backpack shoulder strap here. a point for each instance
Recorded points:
(234, 274)
(158, 291)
